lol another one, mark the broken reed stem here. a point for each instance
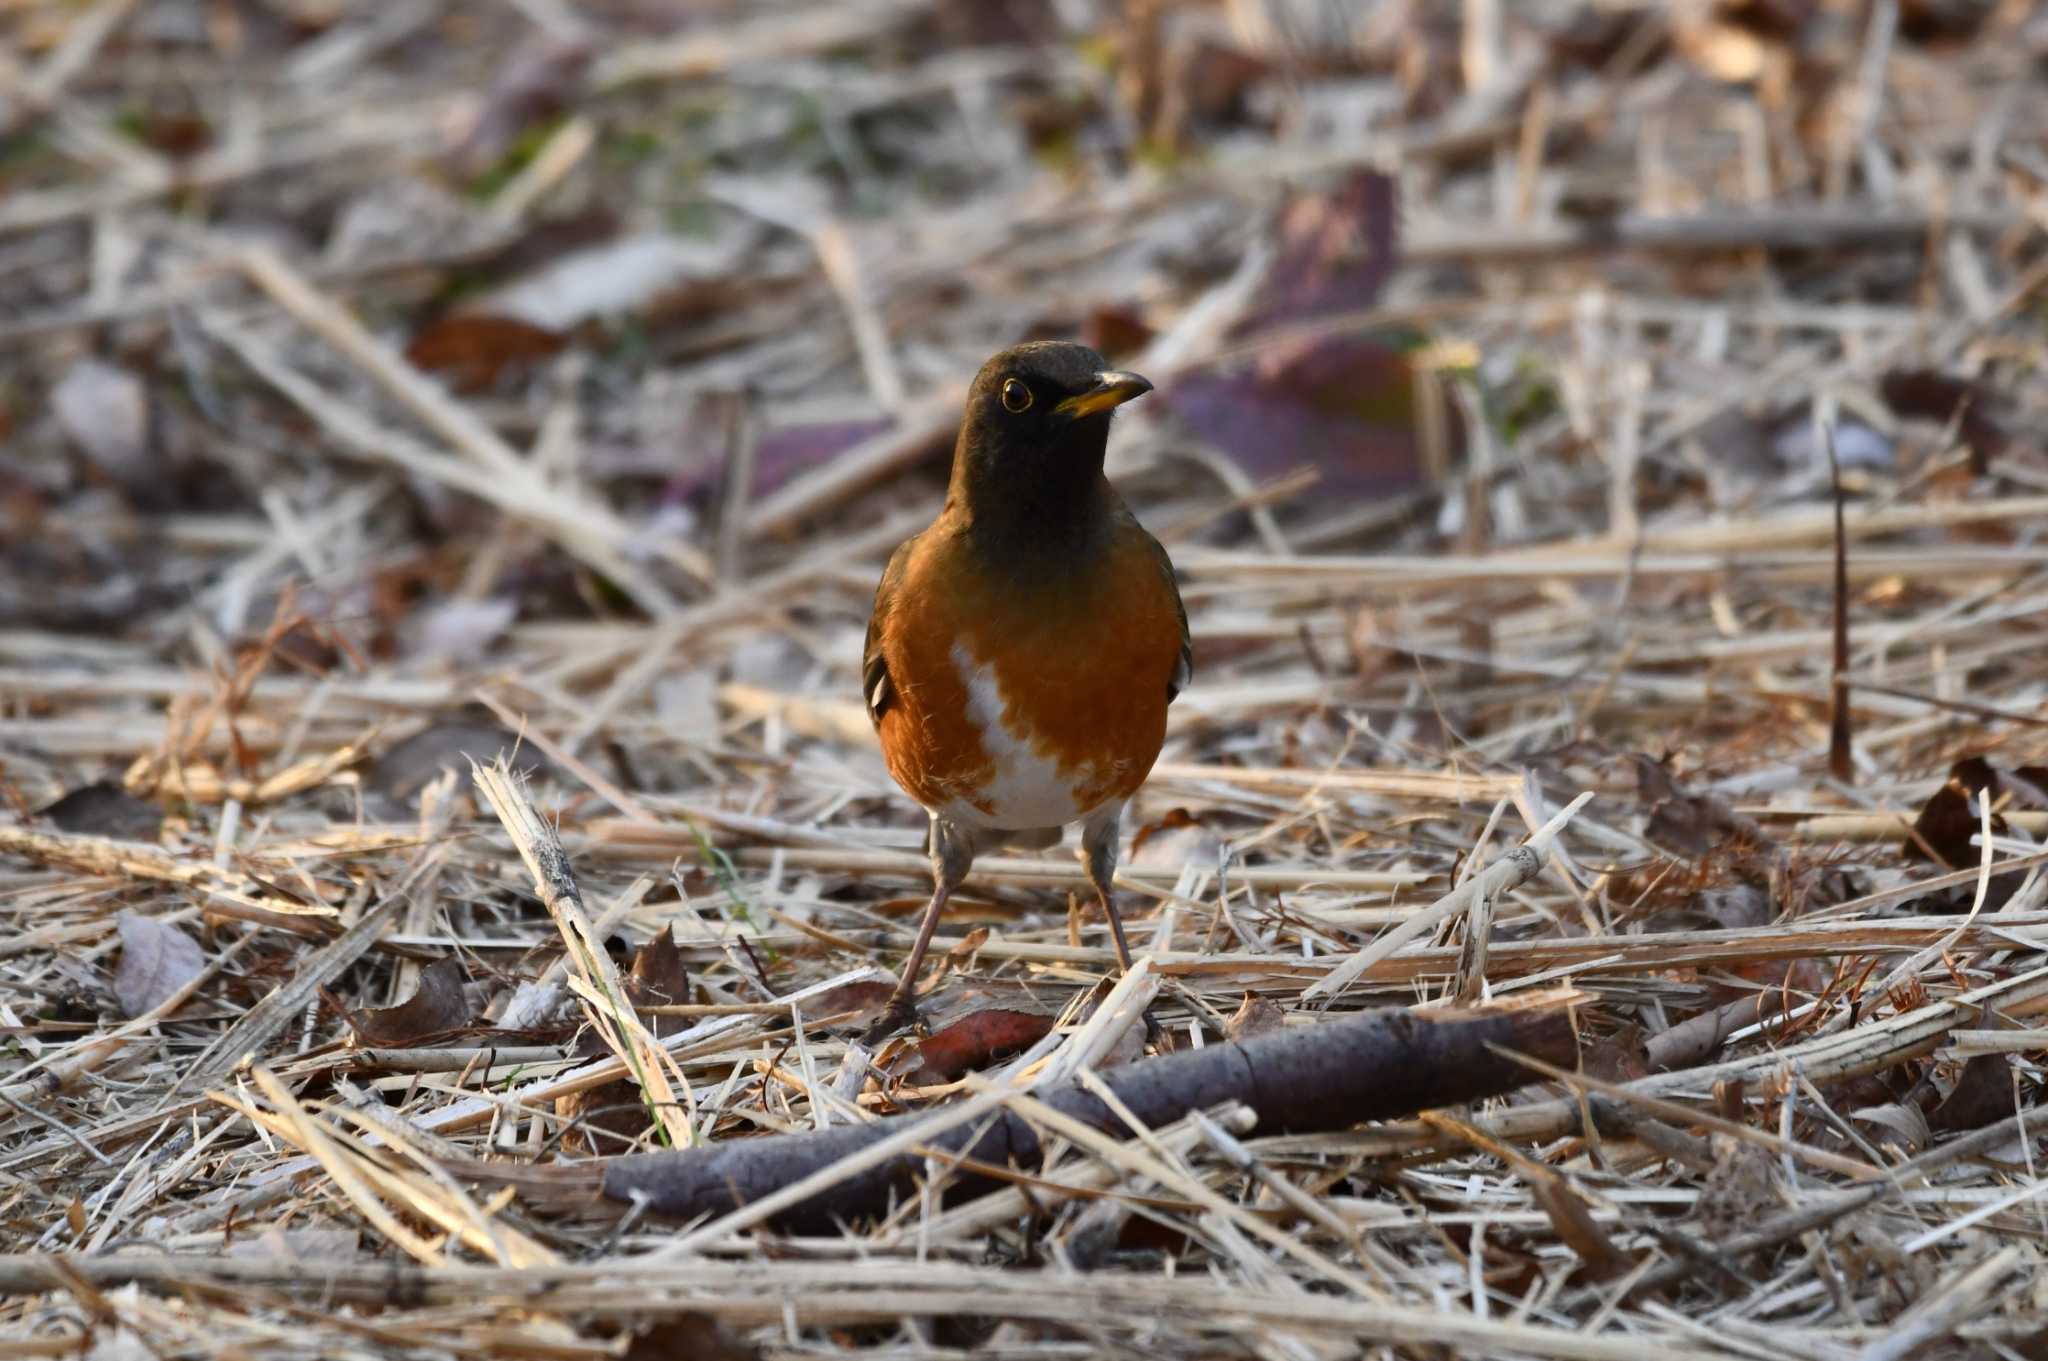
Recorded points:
(603, 990)
(1515, 867)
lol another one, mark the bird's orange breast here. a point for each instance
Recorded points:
(1028, 703)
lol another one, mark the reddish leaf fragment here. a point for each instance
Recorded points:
(103, 808)
(1573, 1222)
(1116, 333)
(157, 960)
(975, 1041)
(474, 350)
(436, 1007)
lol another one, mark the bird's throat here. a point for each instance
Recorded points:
(1034, 523)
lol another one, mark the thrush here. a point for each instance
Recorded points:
(1024, 648)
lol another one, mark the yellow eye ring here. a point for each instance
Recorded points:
(1016, 397)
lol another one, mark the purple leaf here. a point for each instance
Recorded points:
(1345, 405)
(157, 960)
(1336, 253)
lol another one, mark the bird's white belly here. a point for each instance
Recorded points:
(1028, 788)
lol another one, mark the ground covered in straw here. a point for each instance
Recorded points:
(1610, 424)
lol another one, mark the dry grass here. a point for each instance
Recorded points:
(265, 575)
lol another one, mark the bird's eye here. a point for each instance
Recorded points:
(1016, 397)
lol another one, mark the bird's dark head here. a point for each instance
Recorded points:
(1036, 426)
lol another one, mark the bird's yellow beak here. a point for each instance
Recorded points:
(1113, 387)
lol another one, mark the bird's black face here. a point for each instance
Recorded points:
(1041, 411)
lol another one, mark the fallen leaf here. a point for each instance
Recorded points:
(104, 410)
(157, 960)
(860, 1000)
(659, 978)
(1572, 1220)
(461, 629)
(1347, 406)
(473, 350)
(437, 1007)
(1907, 1126)
(1695, 825)
(1950, 818)
(1930, 395)
(103, 808)
(407, 767)
(694, 1335)
(1254, 1016)
(975, 1041)
(784, 453)
(1336, 252)
(1983, 1093)
(1116, 333)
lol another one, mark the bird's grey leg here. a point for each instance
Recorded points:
(952, 854)
(1100, 837)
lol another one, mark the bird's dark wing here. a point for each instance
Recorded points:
(876, 687)
(1184, 669)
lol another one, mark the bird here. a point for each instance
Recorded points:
(1025, 646)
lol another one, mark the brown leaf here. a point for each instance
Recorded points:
(407, 767)
(436, 1007)
(1950, 817)
(1254, 1016)
(474, 350)
(1575, 1226)
(859, 1001)
(1114, 332)
(1983, 1093)
(1929, 394)
(157, 959)
(1693, 825)
(1619, 1057)
(976, 1040)
(698, 1336)
(103, 808)
(658, 978)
